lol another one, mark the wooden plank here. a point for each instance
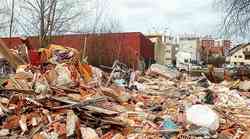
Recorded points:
(14, 60)
(100, 110)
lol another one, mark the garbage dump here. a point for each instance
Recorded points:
(64, 98)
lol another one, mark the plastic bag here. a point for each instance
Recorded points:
(63, 78)
(89, 133)
(202, 115)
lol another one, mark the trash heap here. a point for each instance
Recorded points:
(67, 98)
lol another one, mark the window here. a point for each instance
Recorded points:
(240, 56)
(235, 63)
(246, 49)
(247, 57)
(235, 56)
(241, 63)
(186, 61)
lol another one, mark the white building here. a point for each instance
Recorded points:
(164, 48)
(190, 45)
(240, 55)
(183, 60)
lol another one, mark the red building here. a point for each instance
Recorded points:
(214, 47)
(103, 49)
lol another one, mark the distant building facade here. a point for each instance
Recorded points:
(164, 47)
(240, 55)
(190, 45)
(213, 47)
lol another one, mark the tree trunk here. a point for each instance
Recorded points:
(12, 18)
(42, 24)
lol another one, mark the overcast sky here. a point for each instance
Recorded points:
(199, 17)
(179, 16)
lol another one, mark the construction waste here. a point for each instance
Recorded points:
(65, 98)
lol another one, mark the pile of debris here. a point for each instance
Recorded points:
(67, 98)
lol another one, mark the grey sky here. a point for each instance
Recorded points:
(180, 16)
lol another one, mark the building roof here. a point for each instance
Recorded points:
(237, 48)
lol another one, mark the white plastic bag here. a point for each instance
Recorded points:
(41, 88)
(63, 78)
(202, 115)
(89, 133)
(244, 85)
(41, 84)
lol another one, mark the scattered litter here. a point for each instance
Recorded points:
(4, 132)
(202, 115)
(64, 98)
(89, 133)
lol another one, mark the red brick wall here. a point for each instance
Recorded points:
(207, 43)
(103, 48)
(12, 43)
(209, 46)
(147, 48)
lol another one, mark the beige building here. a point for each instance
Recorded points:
(240, 55)
(164, 48)
(190, 45)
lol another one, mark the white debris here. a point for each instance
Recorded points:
(204, 116)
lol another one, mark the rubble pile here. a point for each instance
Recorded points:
(67, 98)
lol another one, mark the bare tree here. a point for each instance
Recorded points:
(102, 21)
(99, 40)
(12, 17)
(1, 23)
(237, 17)
(111, 25)
(4, 8)
(49, 17)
